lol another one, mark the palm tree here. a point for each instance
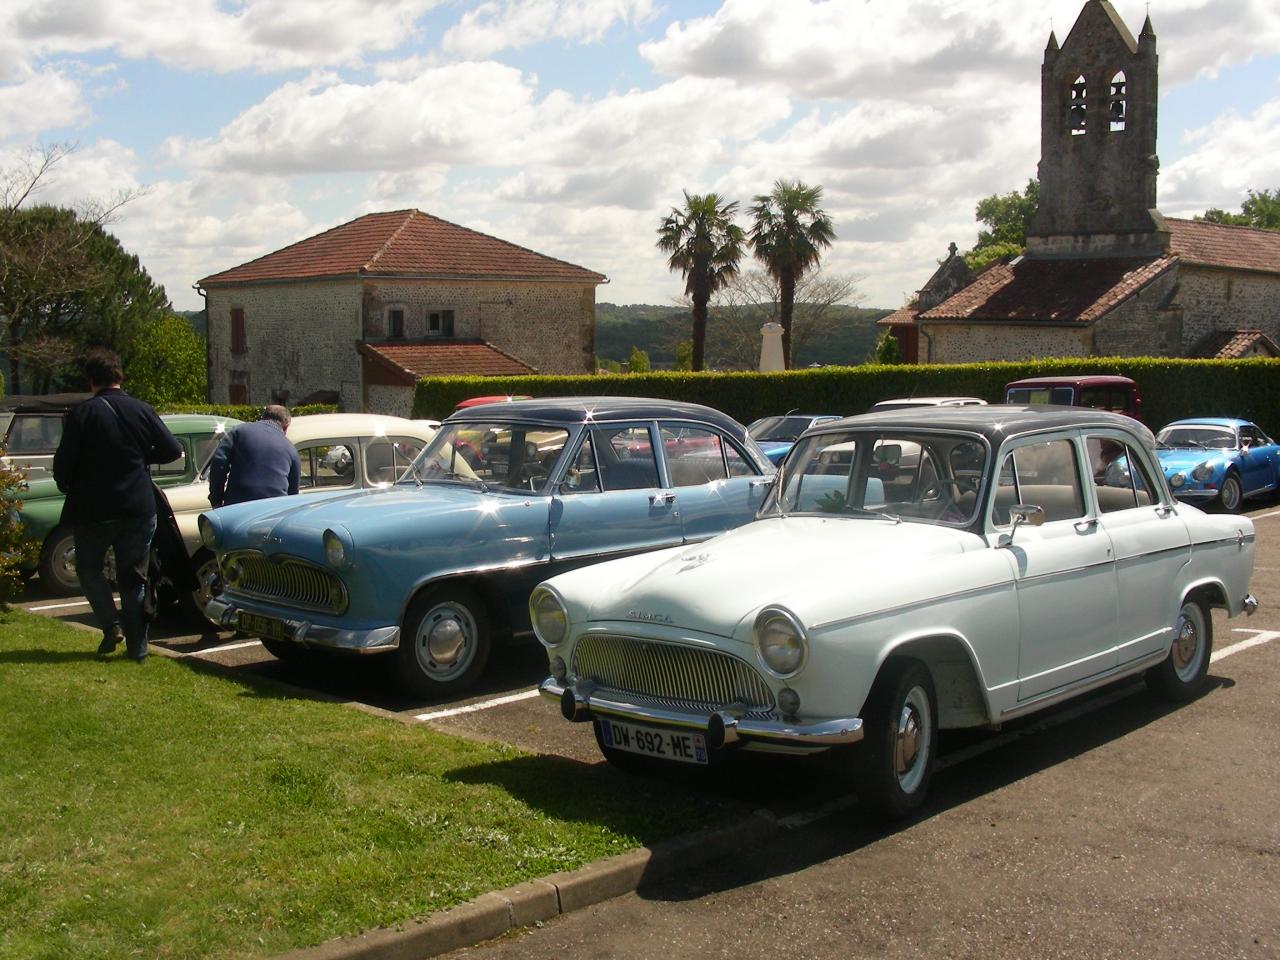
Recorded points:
(788, 236)
(705, 245)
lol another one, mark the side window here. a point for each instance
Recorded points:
(1120, 479)
(1044, 475)
(178, 467)
(385, 458)
(1094, 397)
(738, 464)
(694, 456)
(627, 459)
(34, 434)
(327, 465)
(582, 476)
(204, 447)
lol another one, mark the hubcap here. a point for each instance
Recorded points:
(911, 745)
(445, 641)
(208, 582)
(1186, 648)
(1230, 494)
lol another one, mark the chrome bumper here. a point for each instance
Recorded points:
(581, 701)
(306, 633)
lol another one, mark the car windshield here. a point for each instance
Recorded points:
(1197, 438)
(924, 477)
(508, 456)
(778, 428)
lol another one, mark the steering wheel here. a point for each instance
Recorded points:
(956, 489)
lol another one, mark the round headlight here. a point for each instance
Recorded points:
(780, 642)
(208, 535)
(1177, 480)
(550, 622)
(334, 551)
(1203, 472)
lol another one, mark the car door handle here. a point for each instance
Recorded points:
(1163, 511)
(762, 482)
(665, 497)
(1083, 526)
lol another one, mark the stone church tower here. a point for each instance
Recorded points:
(1098, 162)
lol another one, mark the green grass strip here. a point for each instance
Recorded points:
(160, 810)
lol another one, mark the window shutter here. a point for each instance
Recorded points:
(237, 331)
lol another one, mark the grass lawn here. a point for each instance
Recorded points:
(159, 810)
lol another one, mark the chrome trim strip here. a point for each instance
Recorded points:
(891, 611)
(827, 733)
(377, 640)
(1097, 680)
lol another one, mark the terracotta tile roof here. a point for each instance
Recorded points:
(1063, 291)
(1221, 245)
(905, 317)
(443, 358)
(404, 243)
(1234, 344)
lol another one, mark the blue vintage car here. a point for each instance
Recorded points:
(431, 570)
(777, 435)
(1218, 459)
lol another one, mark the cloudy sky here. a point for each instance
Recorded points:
(571, 126)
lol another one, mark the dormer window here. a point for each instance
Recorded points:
(1118, 108)
(1079, 107)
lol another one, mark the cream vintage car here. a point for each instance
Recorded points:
(910, 571)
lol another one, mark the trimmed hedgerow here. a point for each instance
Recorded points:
(1171, 388)
(244, 411)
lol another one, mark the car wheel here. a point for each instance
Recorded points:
(444, 642)
(900, 733)
(1182, 674)
(1230, 496)
(58, 563)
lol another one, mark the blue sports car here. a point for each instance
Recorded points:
(777, 435)
(1218, 459)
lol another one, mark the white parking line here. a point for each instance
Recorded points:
(225, 646)
(58, 606)
(1261, 637)
(1267, 516)
(477, 707)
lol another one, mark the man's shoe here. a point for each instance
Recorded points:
(111, 638)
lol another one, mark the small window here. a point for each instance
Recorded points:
(1079, 117)
(1118, 109)
(440, 323)
(1094, 397)
(328, 465)
(1120, 479)
(1042, 475)
(582, 476)
(238, 342)
(395, 323)
(736, 462)
(175, 468)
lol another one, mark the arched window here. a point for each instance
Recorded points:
(1079, 107)
(1118, 108)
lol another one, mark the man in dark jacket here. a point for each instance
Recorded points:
(101, 465)
(255, 461)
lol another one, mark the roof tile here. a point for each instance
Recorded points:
(403, 243)
(1234, 344)
(442, 358)
(1223, 245)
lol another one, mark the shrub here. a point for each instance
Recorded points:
(242, 411)
(18, 552)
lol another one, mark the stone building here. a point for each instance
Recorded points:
(1104, 273)
(358, 313)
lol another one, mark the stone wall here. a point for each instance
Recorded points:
(300, 337)
(550, 326)
(1148, 324)
(393, 401)
(1215, 299)
(972, 343)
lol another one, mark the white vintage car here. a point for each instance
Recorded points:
(910, 571)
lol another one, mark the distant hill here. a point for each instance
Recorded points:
(657, 329)
(199, 322)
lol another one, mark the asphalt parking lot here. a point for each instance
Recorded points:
(1110, 826)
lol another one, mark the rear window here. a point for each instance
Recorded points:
(1061, 396)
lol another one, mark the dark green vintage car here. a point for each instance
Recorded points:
(41, 511)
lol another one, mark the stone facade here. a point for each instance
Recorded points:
(300, 336)
(977, 343)
(394, 401)
(1226, 300)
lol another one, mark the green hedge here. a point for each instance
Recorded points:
(1171, 388)
(243, 411)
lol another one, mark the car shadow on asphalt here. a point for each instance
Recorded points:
(848, 829)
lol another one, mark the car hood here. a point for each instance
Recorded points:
(40, 490)
(1184, 459)
(811, 565)
(370, 516)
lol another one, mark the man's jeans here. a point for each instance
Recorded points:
(130, 537)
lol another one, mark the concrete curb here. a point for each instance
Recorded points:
(493, 914)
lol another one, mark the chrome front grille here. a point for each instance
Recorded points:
(287, 581)
(671, 674)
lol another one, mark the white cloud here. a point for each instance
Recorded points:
(1233, 155)
(508, 24)
(40, 100)
(263, 35)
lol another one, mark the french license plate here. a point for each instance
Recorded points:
(679, 745)
(256, 625)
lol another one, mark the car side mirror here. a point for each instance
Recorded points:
(1022, 513)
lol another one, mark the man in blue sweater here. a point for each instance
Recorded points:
(255, 461)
